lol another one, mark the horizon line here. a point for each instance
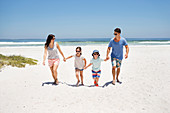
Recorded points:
(80, 38)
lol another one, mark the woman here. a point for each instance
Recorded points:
(53, 57)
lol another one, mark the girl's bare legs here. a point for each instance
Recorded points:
(55, 67)
(77, 76)
(81, 75)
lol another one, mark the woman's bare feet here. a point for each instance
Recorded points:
(56, 82)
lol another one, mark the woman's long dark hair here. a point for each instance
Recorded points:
(49, 38)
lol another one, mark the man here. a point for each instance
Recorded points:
(117, 44)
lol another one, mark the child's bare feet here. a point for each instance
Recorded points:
(82, 84)
(97, 84)
(78, 83)
(94, 82)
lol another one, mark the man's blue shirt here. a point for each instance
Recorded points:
(117, 48)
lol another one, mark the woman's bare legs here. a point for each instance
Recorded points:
(55, 67)
(51, 68)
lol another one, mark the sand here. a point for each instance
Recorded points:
(145, 83)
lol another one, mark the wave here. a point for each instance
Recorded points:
(42, 43)
(155, 42)
(78, 43)
(21, 43)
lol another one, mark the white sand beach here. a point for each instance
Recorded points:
(145, 87)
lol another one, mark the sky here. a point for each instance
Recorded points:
(24, 19)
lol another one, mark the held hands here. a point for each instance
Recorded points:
(85, 67)
(64, 59)
(107, 57)
(126, 56)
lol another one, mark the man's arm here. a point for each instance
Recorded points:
(127, 51)
(108, 51)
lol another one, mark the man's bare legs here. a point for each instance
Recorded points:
(118, 71)
(113, 72)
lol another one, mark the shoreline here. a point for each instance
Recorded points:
(83, 46)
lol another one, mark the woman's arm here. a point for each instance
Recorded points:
(45, 54)
(88, 66)
(58, 47)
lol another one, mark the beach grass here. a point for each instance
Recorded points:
(16, 61)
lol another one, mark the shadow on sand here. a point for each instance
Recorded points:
(107, 83)
(74, 85)
(49, 83)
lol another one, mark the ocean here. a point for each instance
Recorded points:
(82, 41)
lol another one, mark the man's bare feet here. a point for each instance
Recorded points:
(113, 82)
(118, 81)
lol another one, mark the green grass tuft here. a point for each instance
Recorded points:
(16, 61)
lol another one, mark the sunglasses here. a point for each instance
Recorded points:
(115, 33)
(95, 54)
(78, 51)
(53, 39)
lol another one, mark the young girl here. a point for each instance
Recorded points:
(53, 57)
(79, 64)
(96, 63)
